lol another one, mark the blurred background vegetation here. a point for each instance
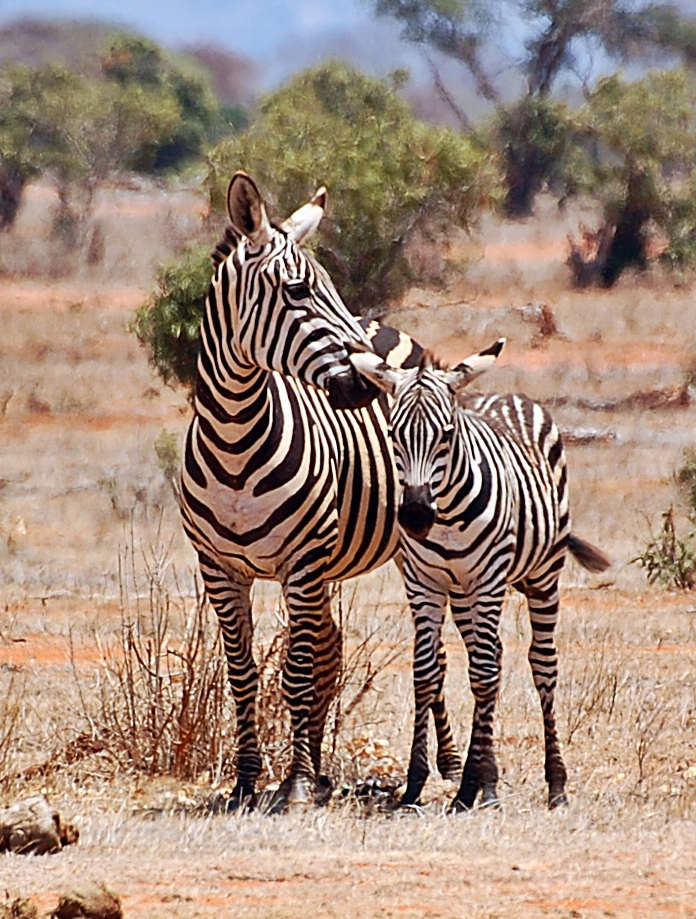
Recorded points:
(82, 105)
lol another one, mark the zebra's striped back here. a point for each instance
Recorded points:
(535, 466)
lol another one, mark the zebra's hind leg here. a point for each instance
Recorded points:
(542, 600)
(449, 761)
(428, 610)
(478, 622)
(230, 598)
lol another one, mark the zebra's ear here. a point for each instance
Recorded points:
(246, 209)
(373, 368)
(463, 374)
(304, 222)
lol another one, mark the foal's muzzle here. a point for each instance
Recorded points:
(417, 511)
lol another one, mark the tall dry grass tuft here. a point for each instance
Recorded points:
(11, 701)
(591, 687)
(158, 702)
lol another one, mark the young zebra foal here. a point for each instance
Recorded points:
(484, 505)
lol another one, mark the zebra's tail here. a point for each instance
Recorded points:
(589, 556)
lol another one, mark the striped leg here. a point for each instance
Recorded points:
(428, 607)
(478, 620)
(231, 601)
(313, 652)
(542, 600)
(449, 761)
(327, 666)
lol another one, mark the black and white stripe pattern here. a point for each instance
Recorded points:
(277, 483)
(485, 505)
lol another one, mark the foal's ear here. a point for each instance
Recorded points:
(247, 210)
(304, 221)
(471, 368)
(376, 370)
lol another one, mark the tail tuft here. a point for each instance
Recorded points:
(587, 555)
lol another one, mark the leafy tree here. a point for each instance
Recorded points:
(60, 123)
(137, 64)
(644, 138)
(537, 141)
(386, 173)
(559, 34)
(144, 112)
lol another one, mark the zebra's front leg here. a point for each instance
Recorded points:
(478, 623)
(543, 658)
(307, 659)
(428, 611)
(230, 598)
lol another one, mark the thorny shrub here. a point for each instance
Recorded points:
(670, 559)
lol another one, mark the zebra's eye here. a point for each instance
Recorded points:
(297, 290)
(447, 429)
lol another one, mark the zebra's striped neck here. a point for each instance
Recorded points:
(241, 395)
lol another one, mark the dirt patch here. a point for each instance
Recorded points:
(83, 502)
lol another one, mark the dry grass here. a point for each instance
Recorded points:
(81, 488)
(624, 846)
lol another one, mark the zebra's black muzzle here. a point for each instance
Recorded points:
(349, 389)
(417, 511)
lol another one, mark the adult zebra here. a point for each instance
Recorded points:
(485, 504)
(278, 484)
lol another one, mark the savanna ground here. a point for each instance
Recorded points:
(90, 539)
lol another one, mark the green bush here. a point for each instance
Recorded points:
(169, 322)
(386, 174)
(669, 560)
(385, 171)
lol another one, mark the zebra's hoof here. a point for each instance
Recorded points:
(451, 769)
(411, 797)
(295, 792)
(490, 799)
(240, 801)
(557, 799)
(324, 791)
(459, 807)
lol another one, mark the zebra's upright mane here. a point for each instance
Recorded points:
(429, 361)
(223, 248)
(230, 241)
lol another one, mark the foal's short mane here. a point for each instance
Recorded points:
(430, 361)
